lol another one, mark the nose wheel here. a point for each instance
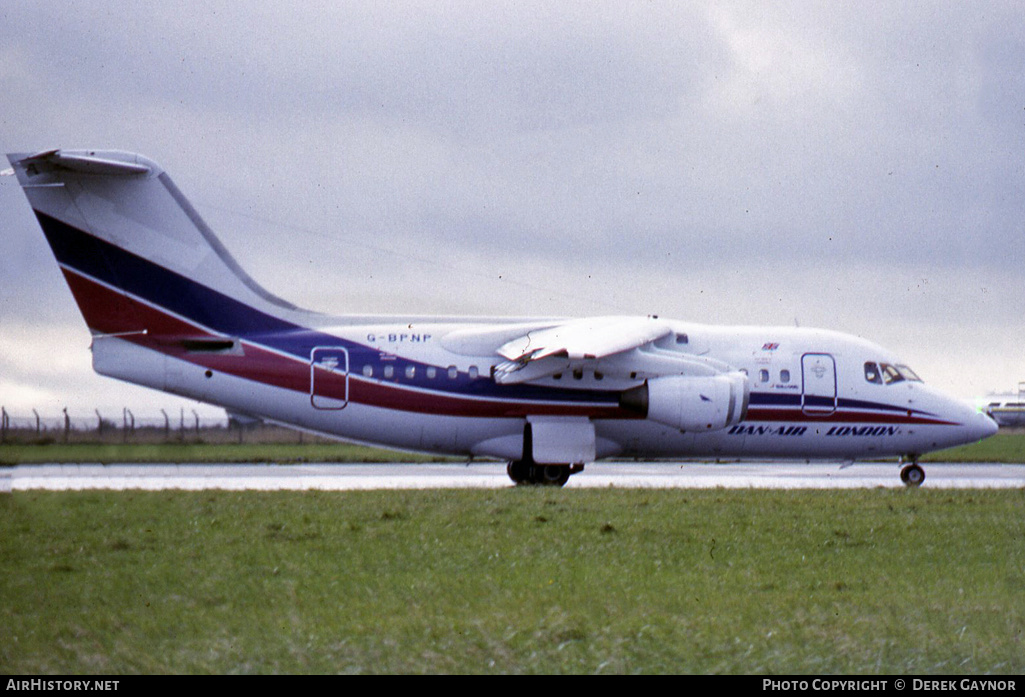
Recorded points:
(912, 474)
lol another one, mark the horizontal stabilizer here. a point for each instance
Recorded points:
(87, 162)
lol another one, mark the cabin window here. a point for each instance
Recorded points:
(578, 374)
(452, 372)
(599, 375)
(410, 371)
(368, 371)
(784, 376)
(432, 372)
(473, 372)
(763, 375)
(872, 373)
(389, 371)
(557, 376)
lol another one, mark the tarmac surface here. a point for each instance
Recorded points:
(487, 475)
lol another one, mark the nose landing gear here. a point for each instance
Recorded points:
(525, 472)
(912, 474)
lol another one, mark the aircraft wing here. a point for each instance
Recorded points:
(548, 350)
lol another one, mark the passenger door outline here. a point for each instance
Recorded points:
(818, 384)
(329, 377)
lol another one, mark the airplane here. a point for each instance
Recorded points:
(1007, 409)
(169, 308)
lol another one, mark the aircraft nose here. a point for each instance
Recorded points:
(984, 426)
(977, 424)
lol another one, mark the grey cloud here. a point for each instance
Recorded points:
(687, 158)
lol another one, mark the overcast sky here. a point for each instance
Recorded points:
(854, 166)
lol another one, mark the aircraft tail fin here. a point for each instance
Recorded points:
(136, 254)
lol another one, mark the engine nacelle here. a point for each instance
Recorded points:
(692, 403)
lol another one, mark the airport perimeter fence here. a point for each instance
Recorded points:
(178, 427)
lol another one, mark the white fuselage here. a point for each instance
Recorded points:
(406, 384)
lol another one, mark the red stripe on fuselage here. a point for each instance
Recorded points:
(109, 311)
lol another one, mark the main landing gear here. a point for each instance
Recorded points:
(525, 472)
(912, 474)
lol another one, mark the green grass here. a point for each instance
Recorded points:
(514, 581)
(1007, 447)
(107, 453)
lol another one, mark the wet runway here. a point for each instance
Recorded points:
(335, 477)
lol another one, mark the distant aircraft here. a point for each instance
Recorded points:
(1007, 409)
(169, 308)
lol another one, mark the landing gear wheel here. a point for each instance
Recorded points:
(912, 475)
(519, 471)
(524, 472)
(553, 475)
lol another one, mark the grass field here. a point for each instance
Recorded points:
(284, 453)
(1008, 447)
(517, 580)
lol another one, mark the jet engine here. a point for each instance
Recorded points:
(692, 403)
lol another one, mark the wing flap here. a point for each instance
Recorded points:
(586, 339)
(544, 352)
(515, 372)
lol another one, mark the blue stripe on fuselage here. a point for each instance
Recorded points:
(793, 400)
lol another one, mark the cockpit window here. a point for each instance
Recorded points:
(898, 373)
(908, 373)
(891, 374)
(886, 374)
